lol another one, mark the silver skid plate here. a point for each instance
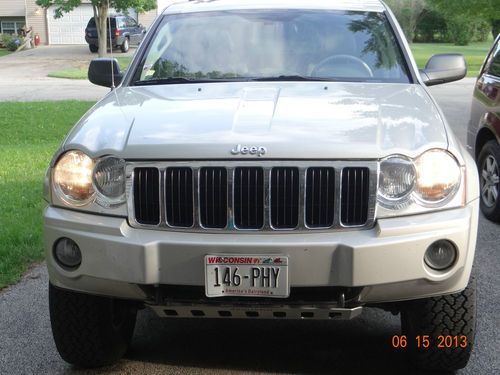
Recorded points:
(251, 311)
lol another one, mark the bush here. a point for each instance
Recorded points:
(495, 26)
(5, 39)
(460, 30)
(14, 43)
(431, 28)
(482, 30)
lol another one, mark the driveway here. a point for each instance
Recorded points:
(23, 75)
(159, 346)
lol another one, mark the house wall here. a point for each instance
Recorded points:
(37, 19)
(12, 8)
(146, 19)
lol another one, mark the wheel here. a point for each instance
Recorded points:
(489, 171)
(450, 324)
(90, 331)
(352, 66)
(93, 48)
(124, 47)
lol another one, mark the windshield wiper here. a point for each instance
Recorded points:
(290, 78)
(176, 80)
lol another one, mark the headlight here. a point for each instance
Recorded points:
(438, 176)
(109, 181)
(428, 181)
(73, 178)
(396, 182)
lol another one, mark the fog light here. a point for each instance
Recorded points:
(67, 253)
(440, 255)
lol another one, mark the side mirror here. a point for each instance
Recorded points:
(103, 71)
(444, 68)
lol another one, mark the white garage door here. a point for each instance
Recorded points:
(70, 28)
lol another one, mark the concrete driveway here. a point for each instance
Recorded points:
(23, 75)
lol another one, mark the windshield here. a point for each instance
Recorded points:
(272, 44)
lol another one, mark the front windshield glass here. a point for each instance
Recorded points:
(265, 44)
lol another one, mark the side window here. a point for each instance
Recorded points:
(493, 64)
(131, 22)
(121, 22)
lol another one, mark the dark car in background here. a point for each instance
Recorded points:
(124, 32)
(483, 137)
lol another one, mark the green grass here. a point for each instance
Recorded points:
(4, 52)
(474, 53)
(81, 73)
(31, 133)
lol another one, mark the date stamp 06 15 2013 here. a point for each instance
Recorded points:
(426, 341)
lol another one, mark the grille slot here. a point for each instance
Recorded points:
(355, 196)
(285, 197)
(213, 197)
(320, 197)
(248, 198)
(147, 196)
(179, 197)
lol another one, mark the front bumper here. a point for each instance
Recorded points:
(386, 261)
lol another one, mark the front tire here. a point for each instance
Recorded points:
(125, 46)
(93, 48)
(438, 317)
(489, 175)
(90, 331)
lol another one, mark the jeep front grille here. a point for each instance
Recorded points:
(252, 196)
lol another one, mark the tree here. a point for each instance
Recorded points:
(408, 14)
(101, 11)
(463, 14)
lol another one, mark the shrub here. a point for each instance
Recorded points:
(431, 28)
(5, 39)
(14, 43)
(482, 30)
(460, 30)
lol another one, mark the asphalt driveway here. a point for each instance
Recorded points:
(23, 75)
(360, 346)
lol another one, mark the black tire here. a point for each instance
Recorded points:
(489, 152)
(93, 48)
(125, 46)
(452, 315)
(90, 331)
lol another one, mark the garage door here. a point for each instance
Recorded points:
(70, 28)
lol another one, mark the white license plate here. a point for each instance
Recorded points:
(246, 276)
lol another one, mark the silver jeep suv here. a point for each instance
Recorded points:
(264, 159)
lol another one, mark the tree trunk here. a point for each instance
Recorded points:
(102, 26)
(96, 17)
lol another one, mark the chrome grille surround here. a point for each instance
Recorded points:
(267, 166)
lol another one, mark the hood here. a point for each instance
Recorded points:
(306, 120)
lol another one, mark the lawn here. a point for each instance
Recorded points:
(4, 52)
(31, 135)
(474, 53)
(81, 73)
